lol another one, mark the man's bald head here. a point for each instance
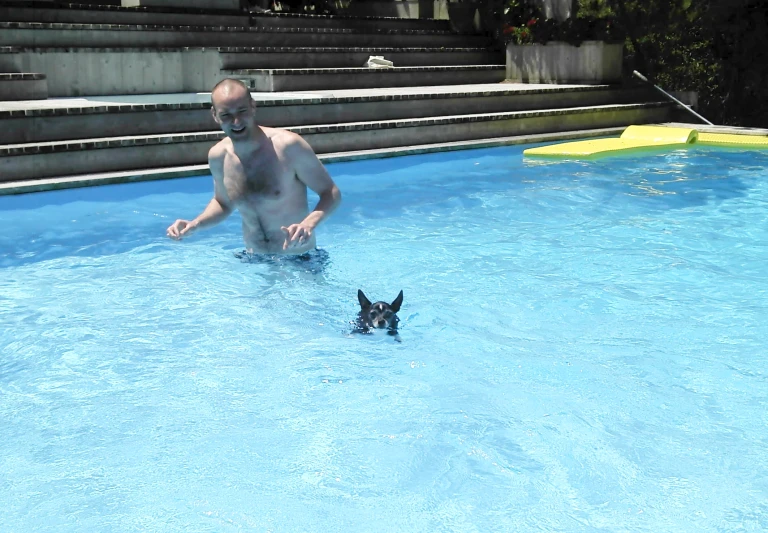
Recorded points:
(229, 87)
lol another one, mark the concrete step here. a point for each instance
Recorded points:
(233, 6)
(26, 34)
(273, 80)
(79, 13)
(23, 86)
(70, 71)
(110, 118)
(85, 156)
(291, 20)
(323, 57)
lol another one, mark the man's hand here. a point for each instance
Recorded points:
(296, 235)
(181, 228)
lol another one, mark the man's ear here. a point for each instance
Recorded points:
(215, 117)
(364, 302)
(397, 303)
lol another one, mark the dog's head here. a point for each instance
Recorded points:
(379, 314)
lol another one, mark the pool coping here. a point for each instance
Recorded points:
(132, 176)
(109, 178)
(706, 128)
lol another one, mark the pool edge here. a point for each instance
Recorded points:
(130, 176)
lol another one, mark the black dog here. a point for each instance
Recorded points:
(378, 315)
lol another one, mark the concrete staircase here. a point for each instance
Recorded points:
(98, 90)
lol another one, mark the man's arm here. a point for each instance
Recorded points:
(313, 174)
(217, 209)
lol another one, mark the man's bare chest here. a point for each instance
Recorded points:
(257, 181)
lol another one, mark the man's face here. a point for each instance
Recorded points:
(234, 110)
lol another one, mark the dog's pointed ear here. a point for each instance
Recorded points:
(364, 302)
(397, 303)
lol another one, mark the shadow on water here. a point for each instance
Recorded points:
(107, 193)
(395, 164)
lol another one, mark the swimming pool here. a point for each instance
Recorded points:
(583, 350)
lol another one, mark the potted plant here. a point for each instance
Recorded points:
(582, 50)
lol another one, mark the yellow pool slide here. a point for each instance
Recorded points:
(645, 138)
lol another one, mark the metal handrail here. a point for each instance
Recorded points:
(687, 108)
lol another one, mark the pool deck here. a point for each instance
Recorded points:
(706, 128)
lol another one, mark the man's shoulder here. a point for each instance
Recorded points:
(289, 143)
(281, 136)
(219, 150)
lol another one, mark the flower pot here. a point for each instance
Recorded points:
(592, 62)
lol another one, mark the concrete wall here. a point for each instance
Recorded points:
(592, 62)
(84, 72)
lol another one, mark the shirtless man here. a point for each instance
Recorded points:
(264, 173)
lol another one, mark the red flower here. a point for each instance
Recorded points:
(531, 22)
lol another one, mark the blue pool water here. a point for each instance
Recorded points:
(584, 349)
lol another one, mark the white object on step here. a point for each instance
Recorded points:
(378, 62)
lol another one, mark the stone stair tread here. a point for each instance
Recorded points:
(257, 49)
(352, 70)
(323, 49)
(157, 102)
(15, 76)
(17, 49)
(109, 7)
(104, 142)
(443, 90)
(138, 140)
(338, 16)
(229, 29)
(450, 119)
